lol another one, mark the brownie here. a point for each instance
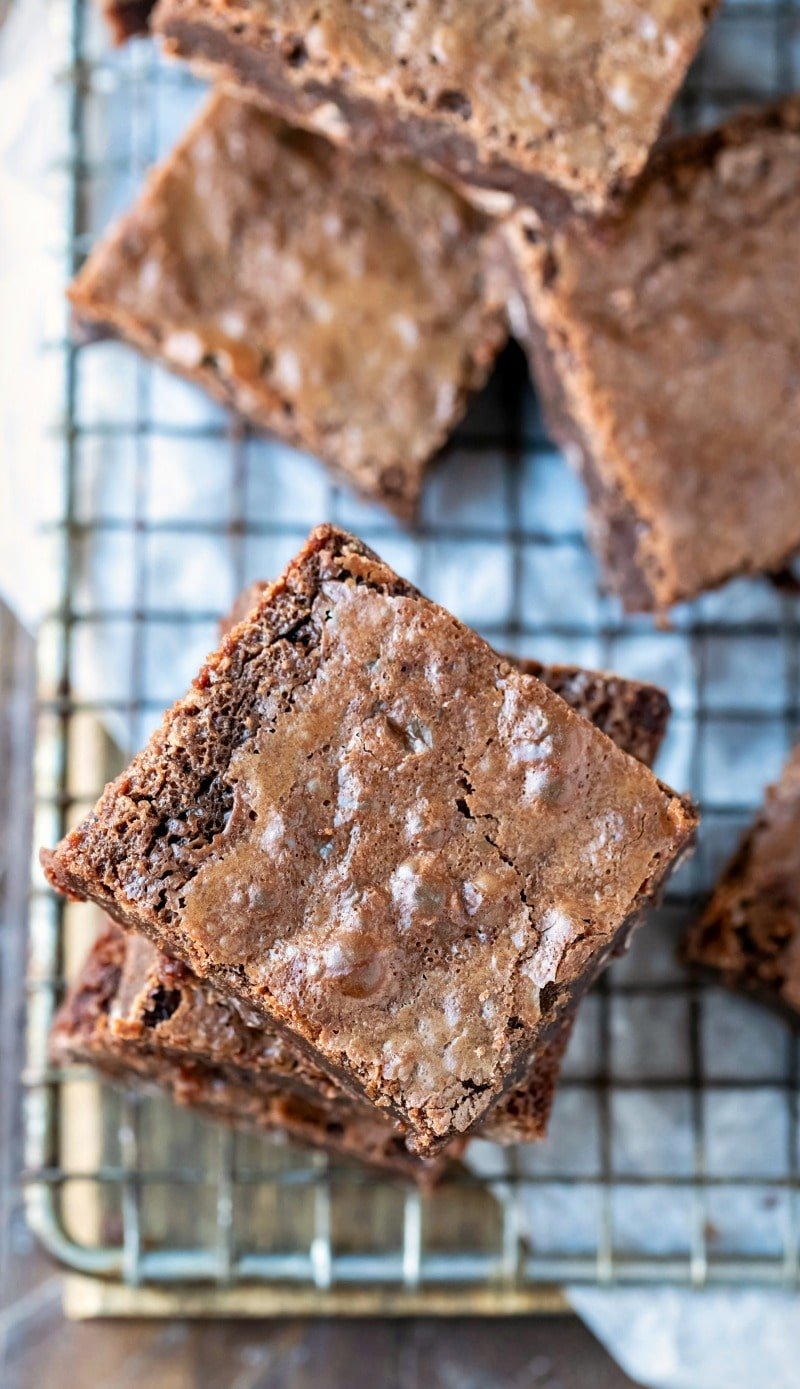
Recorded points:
(749, 934)
(633, 713)
(343, 303)
(368, 827)
(664, 343)
(556, 104)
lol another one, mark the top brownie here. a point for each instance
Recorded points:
(365, 824)
(556, 103)
(665, 345)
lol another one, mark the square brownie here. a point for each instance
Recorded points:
(664, 343)
(365, 825)
(749, 934)
(343, 303)
(556, 104)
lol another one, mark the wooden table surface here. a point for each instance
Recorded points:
(40, 1350)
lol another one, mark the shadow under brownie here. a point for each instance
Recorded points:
(365, 825)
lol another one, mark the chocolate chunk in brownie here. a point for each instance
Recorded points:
(749, 934)
(664, 342)
(341, 302)
(557, 103)
(367, 826)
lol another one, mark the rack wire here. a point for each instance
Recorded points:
(703, 1125)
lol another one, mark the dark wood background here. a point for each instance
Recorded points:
(40, 1350)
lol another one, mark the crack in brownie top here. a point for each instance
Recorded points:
(367, 824)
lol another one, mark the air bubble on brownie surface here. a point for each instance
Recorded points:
(622, 95)
(446, 397)
(314, 39)
(287, 370)
(150, 276)
(492, 201)
(526, 730)
(330, 120)
(405, 329)
(517, 316)
(332, 225)
(557, 929)
(536, 783)
(232, 324)
(355, 965)
(185, 349)
(414, 896)
(349, 795)
(609, 832)
(473, 897)
(274, 831)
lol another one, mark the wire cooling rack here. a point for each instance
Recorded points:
(674, 1146)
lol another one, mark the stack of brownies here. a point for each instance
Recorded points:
(363, 874)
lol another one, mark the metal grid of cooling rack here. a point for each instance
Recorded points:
(667, 1082)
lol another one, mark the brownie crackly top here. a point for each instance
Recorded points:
(666, 345)
(365, 823)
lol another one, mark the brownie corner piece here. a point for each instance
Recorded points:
(345, 304)
(748, 936)
(364, 823)
(663, 342)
